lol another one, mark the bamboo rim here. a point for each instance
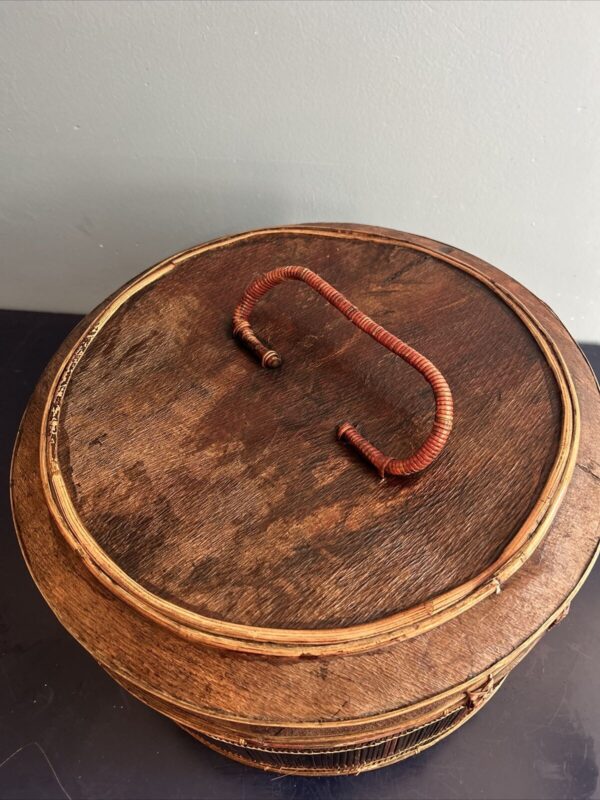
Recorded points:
(345, 748)
(498, 670)
(326, 641)
(366, 766)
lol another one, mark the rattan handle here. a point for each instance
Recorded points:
(442, 424)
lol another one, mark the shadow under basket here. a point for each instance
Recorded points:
(300, 601)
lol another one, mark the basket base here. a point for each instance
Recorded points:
(347, 760)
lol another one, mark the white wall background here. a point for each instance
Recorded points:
(130, 130)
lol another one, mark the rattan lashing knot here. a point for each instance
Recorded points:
(476, 697)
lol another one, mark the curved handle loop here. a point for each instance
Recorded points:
(442, 424)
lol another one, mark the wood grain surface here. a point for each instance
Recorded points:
(220, 487)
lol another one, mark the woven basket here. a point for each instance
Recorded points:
(298, 601)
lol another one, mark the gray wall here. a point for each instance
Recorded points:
(130, 130)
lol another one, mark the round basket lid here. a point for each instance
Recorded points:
(213, 495)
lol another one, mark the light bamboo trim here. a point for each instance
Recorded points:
(357, 738)
(498, 670)
(348, 748)
(350, 770)
(276, 641)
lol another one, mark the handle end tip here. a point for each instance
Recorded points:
(344, 429)
(271, 360)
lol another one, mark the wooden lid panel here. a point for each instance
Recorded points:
(220, 486)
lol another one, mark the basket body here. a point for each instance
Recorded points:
(259, 665)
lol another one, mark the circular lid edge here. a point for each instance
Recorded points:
(402, 625)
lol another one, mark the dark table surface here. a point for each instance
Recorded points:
(67, 730)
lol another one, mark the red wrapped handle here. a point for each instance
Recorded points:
(442, 424)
